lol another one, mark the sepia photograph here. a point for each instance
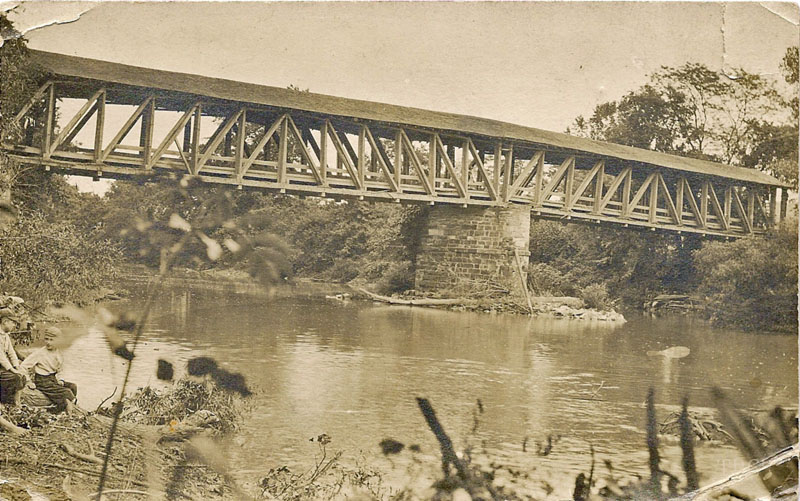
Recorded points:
(399, 250)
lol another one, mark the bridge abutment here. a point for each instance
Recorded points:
(472, 248)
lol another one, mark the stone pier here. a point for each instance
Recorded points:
(473, 247)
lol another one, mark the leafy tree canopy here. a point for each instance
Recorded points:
(739, 119)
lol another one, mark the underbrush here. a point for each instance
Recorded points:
(180, 401)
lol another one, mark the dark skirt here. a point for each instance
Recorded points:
(10, 384)
(57, 393)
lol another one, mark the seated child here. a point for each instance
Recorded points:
(45, 363)
(12, 378)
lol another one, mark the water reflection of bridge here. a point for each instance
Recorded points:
(247, 135)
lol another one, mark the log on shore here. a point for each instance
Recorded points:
(418, 301)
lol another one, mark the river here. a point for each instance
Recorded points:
(353, 369)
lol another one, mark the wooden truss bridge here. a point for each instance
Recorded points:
(252, 136)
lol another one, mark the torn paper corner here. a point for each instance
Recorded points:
(788, 11)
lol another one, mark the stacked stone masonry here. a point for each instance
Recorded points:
(464, 246)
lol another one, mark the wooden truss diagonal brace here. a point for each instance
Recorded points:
(689, 194)
(246, 163)
(668, 198)
(217, 138)
(557, 177)
(639, 194)
(584, 184)
(439, 148)
(743, 215)
(712, 195)
(36, 96)
(476, 159)
(525, 177)
(412, 155)
(126, 127)
(343, 155)
(380, 155)
(303, 151)
(171, 135)
(74, 120)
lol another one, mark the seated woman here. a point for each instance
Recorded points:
(12, 378)
(45, 363)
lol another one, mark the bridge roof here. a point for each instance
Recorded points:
(105, 71)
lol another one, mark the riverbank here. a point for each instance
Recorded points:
(556, 307)
(157, 448)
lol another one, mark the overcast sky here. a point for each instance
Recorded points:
(536, 64)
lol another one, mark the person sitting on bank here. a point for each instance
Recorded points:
(12, 377)
(46, 363)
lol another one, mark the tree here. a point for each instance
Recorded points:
(690, 110)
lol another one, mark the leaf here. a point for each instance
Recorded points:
(232, 245)
(213, 248)
(165, 371)
(200, 366)
(178, 223)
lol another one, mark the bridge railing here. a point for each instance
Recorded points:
(123, 131)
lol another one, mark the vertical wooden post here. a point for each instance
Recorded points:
(773, 205)
(537, 191)
(679, 200)
(227, 148)
(598, 187)
(241, 132)
(362, 149)
(704, 202)
(784, 203)
(323, 152)
(47, 137)
(433, 161)
(465, 167)
(751, 206)
(498, 165)
(626, 192)
(398, 159)
(653, 211)
(569, 182)
(282, 150)
(100, 126)
(196, 138)
(187, 136)
(727, 203)
(509, 167)
(146, 133)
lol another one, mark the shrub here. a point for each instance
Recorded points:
(752, 282)
(545, 280)
(396, 277)
(596, 296)
(46, 262)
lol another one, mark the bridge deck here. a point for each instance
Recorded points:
(310, 143)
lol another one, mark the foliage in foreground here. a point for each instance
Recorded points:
(183, 399)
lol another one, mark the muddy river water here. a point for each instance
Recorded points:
(353, 369)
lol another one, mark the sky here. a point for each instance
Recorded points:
(530, 63)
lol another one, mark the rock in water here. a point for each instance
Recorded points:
(672, 352)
